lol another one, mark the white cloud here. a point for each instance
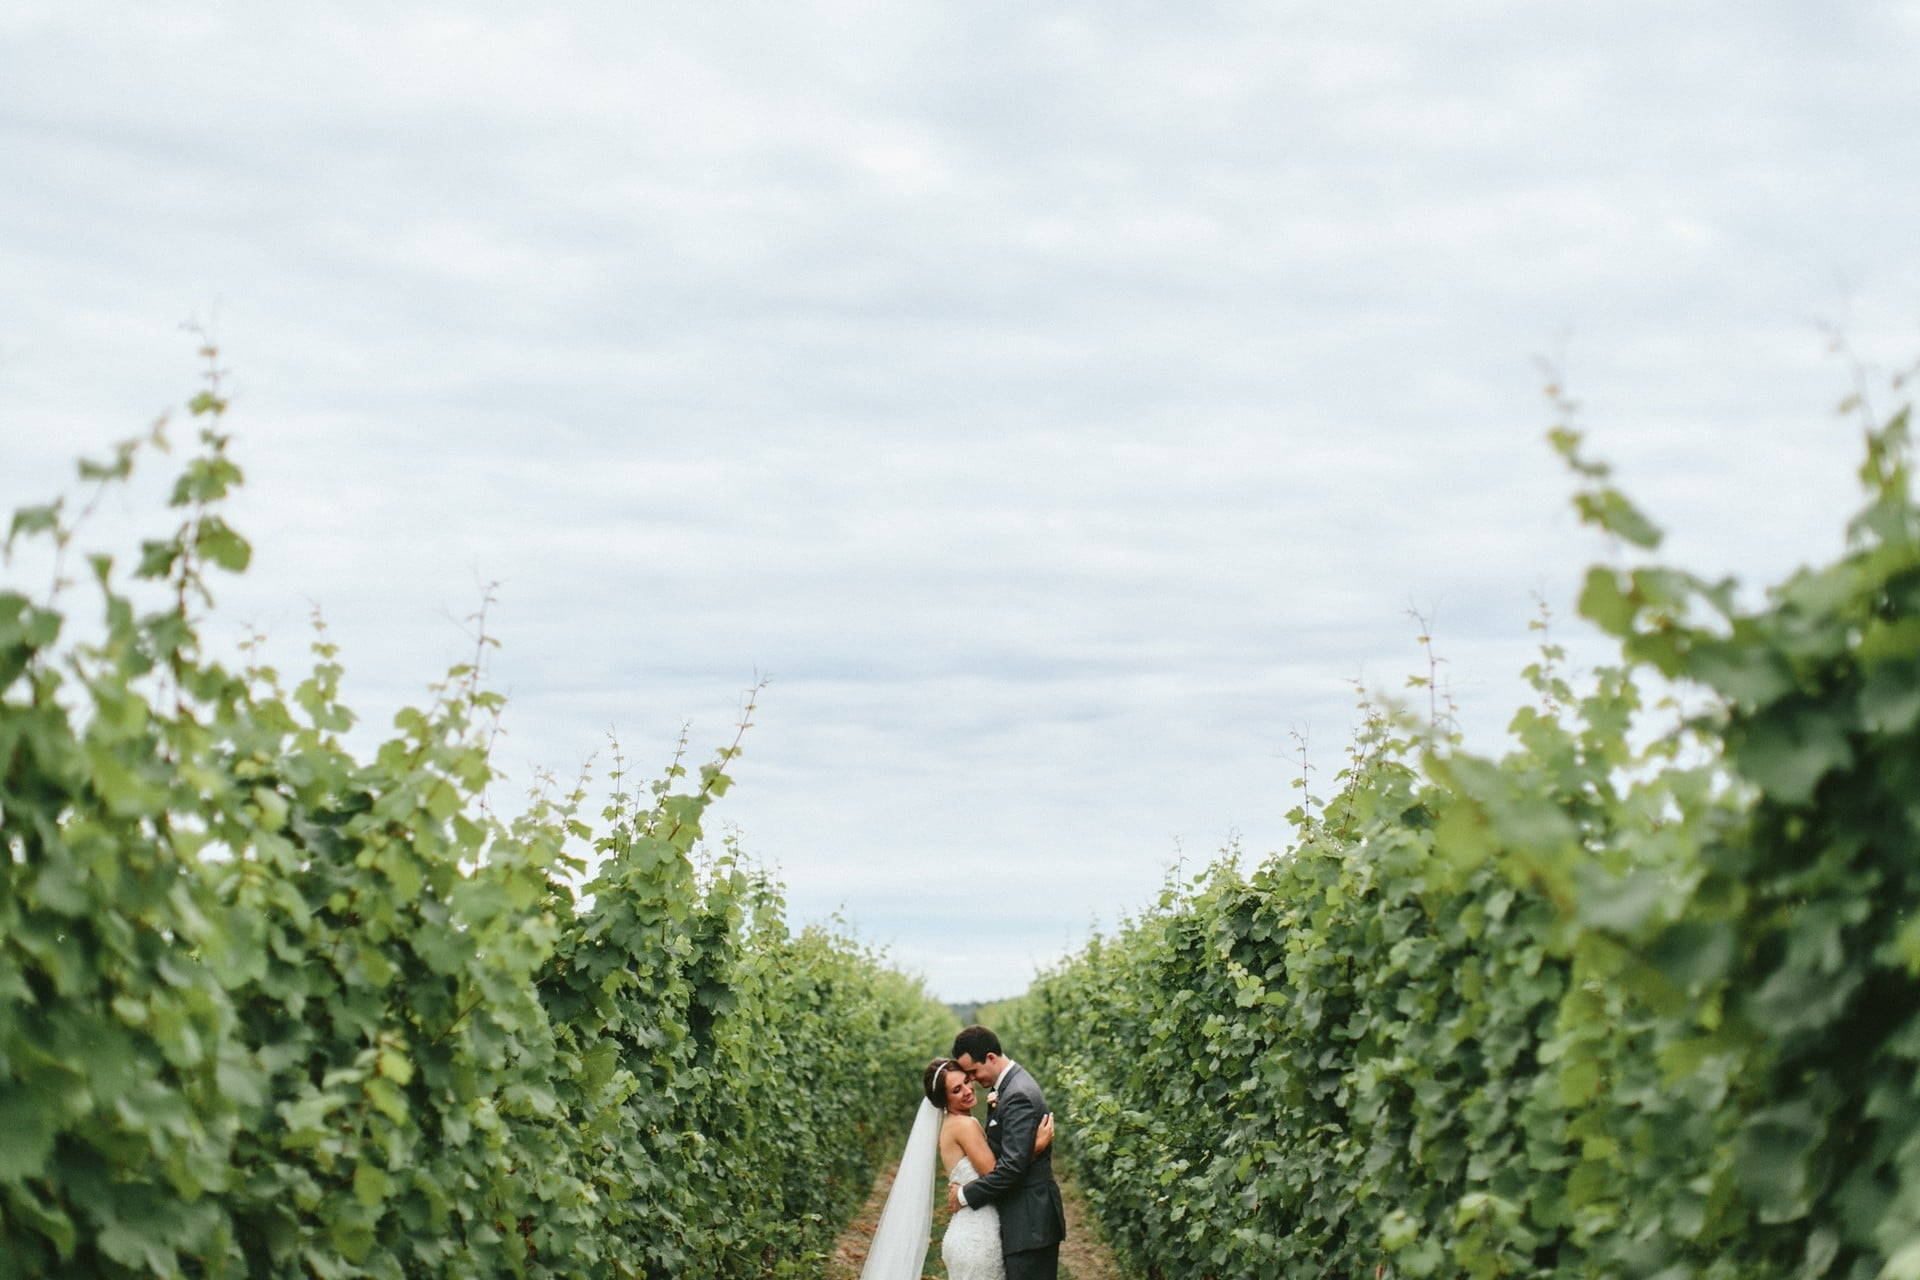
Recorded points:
(1060, 405)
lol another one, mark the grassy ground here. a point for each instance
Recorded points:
(1083, 1257)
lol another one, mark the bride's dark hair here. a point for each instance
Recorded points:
(934, 1080)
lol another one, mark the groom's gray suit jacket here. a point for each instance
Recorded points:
(1023, 1187)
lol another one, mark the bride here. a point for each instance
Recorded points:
(944, 1124)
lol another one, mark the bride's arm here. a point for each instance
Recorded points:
(973, 1143)
(964, 1131)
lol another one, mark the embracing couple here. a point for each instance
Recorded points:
(1007, 1221)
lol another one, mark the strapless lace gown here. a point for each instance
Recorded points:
(971, 1247)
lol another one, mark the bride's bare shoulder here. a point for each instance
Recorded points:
(961, 1135)
(961, 1131)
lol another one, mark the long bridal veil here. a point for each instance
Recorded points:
(906, 1224)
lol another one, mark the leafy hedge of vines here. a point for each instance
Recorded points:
(268, 1009)
(1617, 1003)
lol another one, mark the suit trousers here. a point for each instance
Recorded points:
(1034, 1264)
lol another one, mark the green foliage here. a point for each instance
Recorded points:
(1617, 1003)
(269, 1009)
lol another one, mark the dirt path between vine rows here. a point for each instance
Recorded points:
(1083, 1257)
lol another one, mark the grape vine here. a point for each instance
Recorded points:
(271, 1009)
(1622, 1001)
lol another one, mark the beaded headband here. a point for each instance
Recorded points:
(940, 1069)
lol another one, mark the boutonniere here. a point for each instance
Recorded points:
(993, 1096)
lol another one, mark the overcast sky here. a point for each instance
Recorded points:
(1061, 403)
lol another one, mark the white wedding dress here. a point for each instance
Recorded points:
(971, 1247)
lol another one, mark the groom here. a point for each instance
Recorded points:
(1032, 1223)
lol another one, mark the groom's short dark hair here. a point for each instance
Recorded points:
(976, 1042)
